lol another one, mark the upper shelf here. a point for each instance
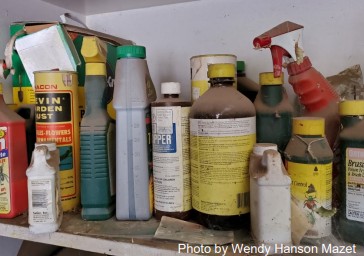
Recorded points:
(89, 7)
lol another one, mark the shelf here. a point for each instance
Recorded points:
(89, 7)
(109, 237)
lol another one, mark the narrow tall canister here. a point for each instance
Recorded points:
(199, 79)
(57, 120)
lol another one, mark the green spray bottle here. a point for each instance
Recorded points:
(97, 142)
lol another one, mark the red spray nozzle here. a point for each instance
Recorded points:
(282, 40)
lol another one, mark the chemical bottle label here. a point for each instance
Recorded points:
(312, 187)
(57, 120)
(171, 165)
(54, 123)
(355, 184)
(41, 201)
(220, 150)
(4, 172)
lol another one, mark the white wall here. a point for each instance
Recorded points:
(333, 36)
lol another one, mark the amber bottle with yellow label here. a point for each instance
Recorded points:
(222, 136)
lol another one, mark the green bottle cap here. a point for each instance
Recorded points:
(240, 66)
(130, 51)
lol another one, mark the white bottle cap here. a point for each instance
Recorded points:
(171, 88)
(259, 148)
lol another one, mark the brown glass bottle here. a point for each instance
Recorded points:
(222, 135)
(171, 154)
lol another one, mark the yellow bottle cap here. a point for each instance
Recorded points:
(96, 69)
(267, 78)
(221, 70)
(93, 49)
(1, 88)
(351, 108)
(308, 126)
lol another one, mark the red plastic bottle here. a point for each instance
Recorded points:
(13, 163)
(317, 96)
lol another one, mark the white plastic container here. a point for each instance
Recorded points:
(270, 196)
(45, 208)
(133, 93)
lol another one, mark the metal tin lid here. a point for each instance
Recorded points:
(308, 126)
(351, 108)
(221, 70)
(267, 78)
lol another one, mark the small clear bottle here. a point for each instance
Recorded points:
(222, 135)
(351, 217)
(171, 154)
(308, 158)
(274, 111)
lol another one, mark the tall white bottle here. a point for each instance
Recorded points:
(45, 208)
(133, 93)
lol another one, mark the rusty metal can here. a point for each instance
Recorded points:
(57, 120)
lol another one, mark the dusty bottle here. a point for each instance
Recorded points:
(13, 163)
(245, 85)
(97, 175)
(171, 154)
(133, 93)
(270, 196)
(309, 159)
(45, 208)
(274, 111)
(351, 220)
(222, 135)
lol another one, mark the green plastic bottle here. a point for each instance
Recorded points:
(97, 185)
(274, 111)
(351, 218)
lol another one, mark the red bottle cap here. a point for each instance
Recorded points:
(294, 68)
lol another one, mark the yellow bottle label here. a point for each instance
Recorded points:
(355, 184)
(4, 172)
(312, 187)
(220, 152)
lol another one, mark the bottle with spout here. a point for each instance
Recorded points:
(314, 92)
(97, 152)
